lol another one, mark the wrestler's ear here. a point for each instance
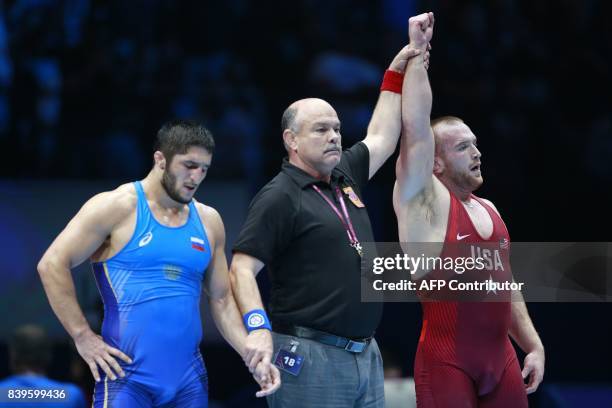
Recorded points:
(438, 165)
(290, 139)
(160, 159)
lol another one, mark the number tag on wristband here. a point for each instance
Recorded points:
(289, 362)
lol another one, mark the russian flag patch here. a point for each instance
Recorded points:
(198, 244)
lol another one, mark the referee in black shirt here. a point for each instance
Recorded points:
(306, 225)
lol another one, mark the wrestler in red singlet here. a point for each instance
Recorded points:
(464, 357)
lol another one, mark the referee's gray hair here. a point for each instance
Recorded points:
(288, 122)
(288, 119)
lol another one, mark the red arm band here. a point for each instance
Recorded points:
(392, 81)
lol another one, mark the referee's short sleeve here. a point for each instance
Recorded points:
(356, 163)
(268, 226)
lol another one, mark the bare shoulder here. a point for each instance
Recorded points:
(125, 197)
(112, 206)
(207, 212)
(97, 228)
(211, 219)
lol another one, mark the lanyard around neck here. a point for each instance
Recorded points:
(344, 217)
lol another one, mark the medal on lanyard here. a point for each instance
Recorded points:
(346, 220)
(357, 246)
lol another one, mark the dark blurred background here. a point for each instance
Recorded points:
(85, 84)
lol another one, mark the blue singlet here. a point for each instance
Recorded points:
(151, 292)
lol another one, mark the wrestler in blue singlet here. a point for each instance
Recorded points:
(151, 292)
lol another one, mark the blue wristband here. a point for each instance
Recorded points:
(256, 319)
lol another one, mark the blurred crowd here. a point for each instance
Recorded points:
(84, 84)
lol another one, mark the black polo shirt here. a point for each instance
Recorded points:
(314, 272)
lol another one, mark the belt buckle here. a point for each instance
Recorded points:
(355, 346)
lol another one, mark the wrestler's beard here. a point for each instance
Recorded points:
(168, 182)
(466, 181)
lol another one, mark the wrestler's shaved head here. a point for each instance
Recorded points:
(456, 159)
(441, 127)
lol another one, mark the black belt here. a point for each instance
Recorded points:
(351, 345)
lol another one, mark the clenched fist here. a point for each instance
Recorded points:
(420, 30)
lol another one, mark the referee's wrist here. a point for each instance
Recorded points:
(259, 330)
(392, 81)
(256, 319)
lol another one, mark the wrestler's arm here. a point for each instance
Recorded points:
(83, 235)
(414, 165)
(524, 334)
(223, 305)
(217, 286)
(385, 125)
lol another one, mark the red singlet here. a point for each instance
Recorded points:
(464, 357)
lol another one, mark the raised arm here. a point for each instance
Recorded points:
(385, 125)
(78, 241)
(414, 166)
(223, 305)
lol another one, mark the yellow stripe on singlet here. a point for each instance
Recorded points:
(109, 280)
(105, 392)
